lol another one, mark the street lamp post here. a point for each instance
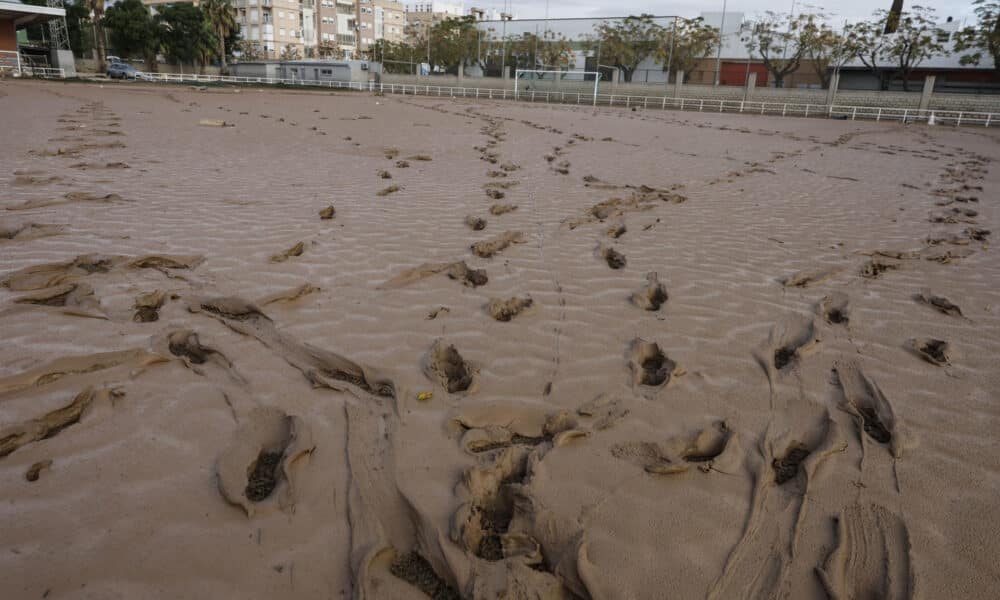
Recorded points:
(722, 37)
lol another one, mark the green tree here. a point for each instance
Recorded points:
(79, 27)
(983, 36)
(687, 42)
(826, 48)
(396, 57)
(221, 17)
(780, 42)
(132, 31)
(915, 40)
(453, 42)
(186, 35)
(626, 43)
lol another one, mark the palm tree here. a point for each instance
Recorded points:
(97, 17)
(221, 18)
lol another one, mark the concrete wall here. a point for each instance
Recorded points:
(8, 37)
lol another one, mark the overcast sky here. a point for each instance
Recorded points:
(844, 9)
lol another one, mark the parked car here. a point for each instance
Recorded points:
(123, 71)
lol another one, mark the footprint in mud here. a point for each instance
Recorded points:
(874, 269)
(606, 409)
(475, 223)
(289, 295)
(652, 295)
(445, 365)
(458, 271)
(28, 231)
(147, 306)
(46, 426)
(872, 557)
(383, 174)
(833, 308)
(714, 448)
(69, 198)
(502, 209)
(488, 248)
(505, 310)
(73, 298)
(494, 194)
(402, 164)
(650, 366)
(327, 213)
(37, 277)
(871, 410)
(262, 462)
(616, 260)
(789, 341)
(392, 189)
(415, 570)
(931, 350)
(616, 231)
(295, 250)
(809, 277)
(321, 368)
(35, 470)
(939, 303)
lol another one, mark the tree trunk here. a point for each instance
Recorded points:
(99, 46)
(779, 80)
(222, 53)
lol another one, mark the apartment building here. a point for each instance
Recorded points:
(390, 21)
(422, 16)
(274, 25)
(336, 26)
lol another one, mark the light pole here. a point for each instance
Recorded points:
(722, 38)
(670, 56)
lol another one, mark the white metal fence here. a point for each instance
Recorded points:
(906, 115)
(11, 62)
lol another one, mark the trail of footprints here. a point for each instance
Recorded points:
(510, 540)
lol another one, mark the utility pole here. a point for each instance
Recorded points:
(670, 56)
(722, 38)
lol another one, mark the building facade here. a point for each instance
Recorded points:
(275, 27)
(390, 21)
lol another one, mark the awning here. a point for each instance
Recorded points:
(24, 15)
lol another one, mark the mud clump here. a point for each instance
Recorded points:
(875, 269)
(652, 296)
(327, 213)
(787, 467)
(506, 310)
(402, 164)
(616, 231)
(488, 248)
(468, 276)
(185, 344)
(495, 194)
(650, 366)
(415, 570)
(295, 250)
(940, 304)
(616, 260)
(502, 209)
(147, 306)
(392, 189)
(264, 477)
(383, 174)
(446, 366)
(933, 351)
(36, 469)
(475, 223)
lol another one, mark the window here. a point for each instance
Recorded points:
(326, 71)
(282, 31)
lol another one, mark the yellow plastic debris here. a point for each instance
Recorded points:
(424, 396)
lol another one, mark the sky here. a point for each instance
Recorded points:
(843, 9)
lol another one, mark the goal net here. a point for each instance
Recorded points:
(535, 83)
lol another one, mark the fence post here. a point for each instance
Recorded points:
(906, 112)
(784, 107)
(959, 123)
(664, 106)
(988, 116)
(878, 117)
(701, 106)
(807, 110)
(854, 113)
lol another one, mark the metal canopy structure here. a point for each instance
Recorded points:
(24, 15)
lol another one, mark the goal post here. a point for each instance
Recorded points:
(549, 82)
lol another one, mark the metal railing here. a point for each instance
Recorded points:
(785, 109)
(12, 62)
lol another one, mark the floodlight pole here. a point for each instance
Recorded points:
(722, 38)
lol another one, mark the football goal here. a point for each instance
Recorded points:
(532, 82)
